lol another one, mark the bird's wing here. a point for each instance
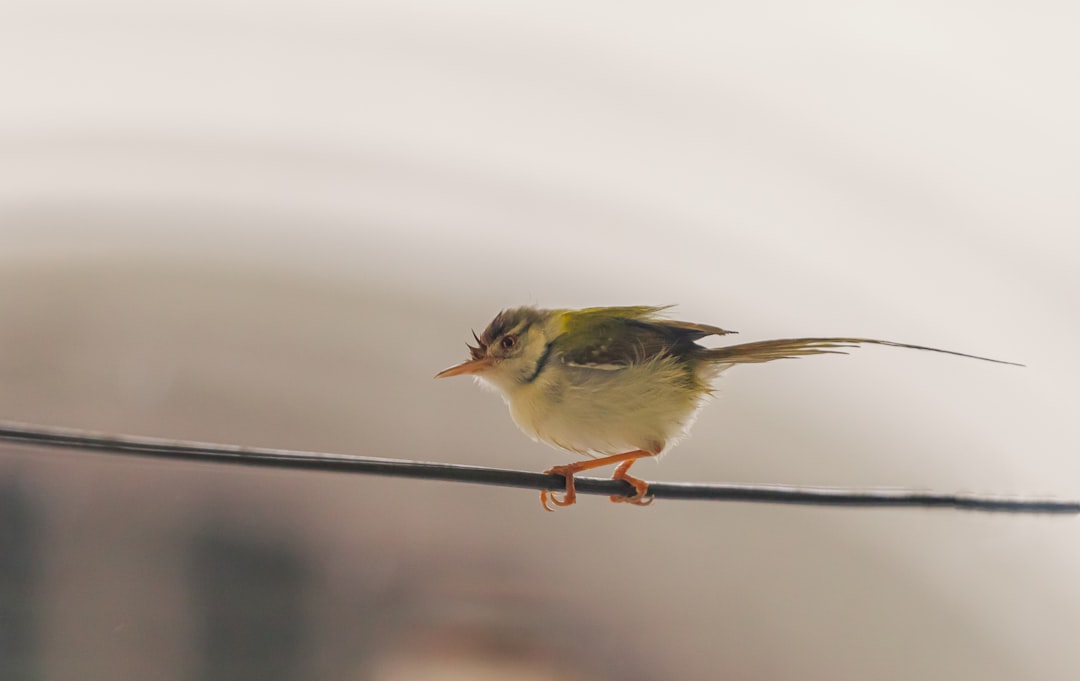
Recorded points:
(787, 348)
(616, 337)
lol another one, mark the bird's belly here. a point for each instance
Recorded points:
(608, 412)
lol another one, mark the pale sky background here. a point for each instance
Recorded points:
(271, 223)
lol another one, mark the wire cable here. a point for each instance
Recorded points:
(185, 450)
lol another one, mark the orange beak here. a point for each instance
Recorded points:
(472, 366)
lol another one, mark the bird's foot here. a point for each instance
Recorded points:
(569, 497)
(641, 488)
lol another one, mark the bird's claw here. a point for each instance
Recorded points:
(641, 496)
(636, 500)
(569, 497)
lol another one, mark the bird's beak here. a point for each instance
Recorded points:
(472, 366)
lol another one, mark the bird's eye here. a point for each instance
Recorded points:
(508, 342)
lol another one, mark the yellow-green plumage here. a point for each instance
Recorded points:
(606, 380)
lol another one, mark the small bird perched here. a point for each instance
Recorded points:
(616, 383)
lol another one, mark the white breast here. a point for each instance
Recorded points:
(603, 411)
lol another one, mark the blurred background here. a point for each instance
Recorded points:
(271, 223)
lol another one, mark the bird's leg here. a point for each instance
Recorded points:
(568, 471)
(640, 486)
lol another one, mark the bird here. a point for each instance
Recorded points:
(617, 384)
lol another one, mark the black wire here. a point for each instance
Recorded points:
(347, 463)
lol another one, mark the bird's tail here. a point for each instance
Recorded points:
(787, 348)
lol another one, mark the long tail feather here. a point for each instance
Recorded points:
(788, 348)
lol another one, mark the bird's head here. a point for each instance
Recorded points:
(512, 349)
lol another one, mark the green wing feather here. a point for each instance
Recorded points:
(611, 337)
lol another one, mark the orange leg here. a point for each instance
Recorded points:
(567, 471)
